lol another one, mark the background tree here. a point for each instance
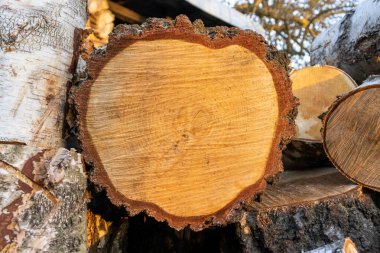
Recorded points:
(291, 25)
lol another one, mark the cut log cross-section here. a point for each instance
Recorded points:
(316, 87)
(185, 122)
(351, 134)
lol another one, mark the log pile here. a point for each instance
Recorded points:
(310, 208)
(184, 131)
(42, 184)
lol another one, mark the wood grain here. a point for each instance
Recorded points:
(182, 125)
(299, 187)
(316, 87)
(176, 120)
(351, 135)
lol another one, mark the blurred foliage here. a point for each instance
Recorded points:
(291, 25)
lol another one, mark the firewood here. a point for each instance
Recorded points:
(42, 184)
(351, 134)
(316, 88)
(185, 122)
(352, 44)
(311, 211)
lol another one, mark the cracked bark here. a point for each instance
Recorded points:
(42, 199)
(353, 43)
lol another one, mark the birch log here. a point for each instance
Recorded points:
(353, 44)
(42, 185)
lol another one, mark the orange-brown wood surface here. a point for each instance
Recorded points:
(183, 125)
(351, 135)
(299, 187)
(316, 87)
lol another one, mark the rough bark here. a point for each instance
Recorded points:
(351, 135)
(311, 211)
(125, 154)
(42, 188)
(352, 44)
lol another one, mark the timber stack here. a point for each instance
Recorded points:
(194, 138)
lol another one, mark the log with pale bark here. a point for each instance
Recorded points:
(312, 211)
(352, 44)
(185, 122)
(316, 87)
(42, 185)
(351, 134)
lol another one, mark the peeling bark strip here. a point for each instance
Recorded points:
(49, 217)
(42, 204)
(206, 115)
(351, 134)
(353, 44)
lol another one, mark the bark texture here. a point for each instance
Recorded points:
(47, 213)
(312, 211)
(42, 188)
(317, 225)
(352, 44)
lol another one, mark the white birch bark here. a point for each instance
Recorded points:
(353, 43)
(42, 185)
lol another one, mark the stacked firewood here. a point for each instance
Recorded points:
(194, 139)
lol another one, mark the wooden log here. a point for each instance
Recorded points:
(351, 134)
(42, 185)
(352, 44)
(316, 88)
(167, 119)
(311, 211)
